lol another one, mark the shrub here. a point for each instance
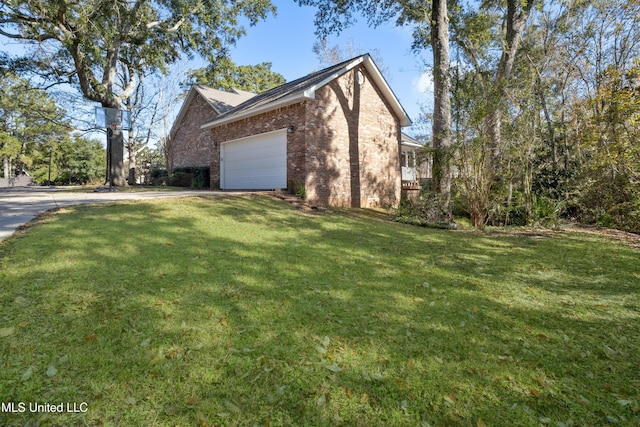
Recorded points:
(181, 179)
(200, 176)
(427, 212)
(610, 202)
(546, 211)
(159, 176)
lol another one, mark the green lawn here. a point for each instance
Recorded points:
(242, 311)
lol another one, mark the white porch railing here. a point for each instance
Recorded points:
(409, 173)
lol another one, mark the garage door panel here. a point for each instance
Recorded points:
(257, 163)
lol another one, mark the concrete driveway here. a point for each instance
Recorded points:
(20, 205)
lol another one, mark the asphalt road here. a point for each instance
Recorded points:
(20, 205)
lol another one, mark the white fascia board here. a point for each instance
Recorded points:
(410, 144)
(406, 139)
(311, 92)
(284, 102)
(380, 81)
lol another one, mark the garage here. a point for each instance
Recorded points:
(257, 162)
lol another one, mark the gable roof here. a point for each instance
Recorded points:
(223, 101)
(305, 88)
(407, 141)
(219, 100)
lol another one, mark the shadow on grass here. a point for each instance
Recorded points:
(241, 310)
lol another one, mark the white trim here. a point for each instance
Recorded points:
(411, 144)
(283, 130)
(285, 102)
(310, 93)
(380, 81)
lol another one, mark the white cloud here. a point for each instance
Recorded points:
(423, 84)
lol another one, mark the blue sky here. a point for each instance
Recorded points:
(286, 41)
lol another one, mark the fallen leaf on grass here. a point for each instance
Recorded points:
(450, 399)
(91, 337)
(321, 401)
(5, 332)
(321, 350)
(193, 401)
(156, 359)
(334, 368)
(325, 341)
(145, 342)
(27, 374)
(51, 371)
(534, 392)
(583, 400)
(232, 407)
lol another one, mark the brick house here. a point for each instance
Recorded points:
(334, 135)
(190, 145)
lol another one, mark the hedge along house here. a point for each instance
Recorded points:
(190, 146)
(333, 136)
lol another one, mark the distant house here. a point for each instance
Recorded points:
(334, 135)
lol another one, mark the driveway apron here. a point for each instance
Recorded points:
(21, 205)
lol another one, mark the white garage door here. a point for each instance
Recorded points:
(257, 162)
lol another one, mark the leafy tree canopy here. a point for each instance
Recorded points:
(224, 74)
(87, 42)
(30, 121)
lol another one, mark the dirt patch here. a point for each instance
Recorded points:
(297, 202)
(624, 237)
(629, 239)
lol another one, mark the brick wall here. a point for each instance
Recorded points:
(191, 146)
(353, 145)
(292, 115)
(345, 146)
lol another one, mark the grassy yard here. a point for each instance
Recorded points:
(243, 311)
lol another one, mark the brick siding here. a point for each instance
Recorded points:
(353, 146)
(345, 146)
(191, 146)
(282, 118)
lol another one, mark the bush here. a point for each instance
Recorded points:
(428, 212)
(610, 202)
(546, 211)
(181, 179)
(200, 176)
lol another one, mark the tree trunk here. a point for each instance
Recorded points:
(442, 103)
(517, 15)
(115, 156)
(131, 150)
(5, 166)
